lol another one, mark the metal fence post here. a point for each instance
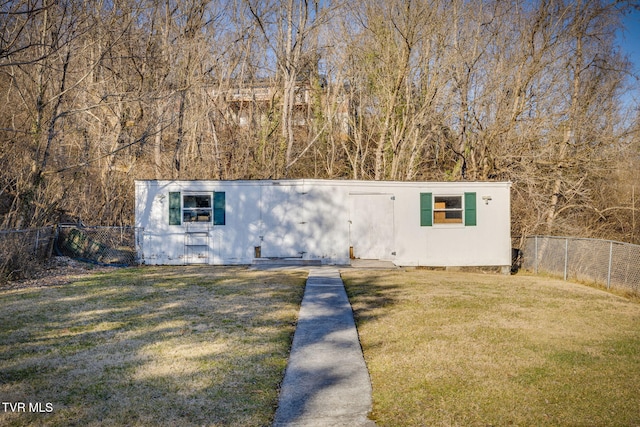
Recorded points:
(610, 261)
(566, 257)
(537, 254)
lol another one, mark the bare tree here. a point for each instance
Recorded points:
(290, 30)
(96, 94)
(586, 123)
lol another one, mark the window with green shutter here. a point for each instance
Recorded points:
(447, 209)
(175, 210)
(201, 208)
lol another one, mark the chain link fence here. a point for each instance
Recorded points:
(609, 263)
(100, 245)
(33, 241)
(24, 251)
(20, 250)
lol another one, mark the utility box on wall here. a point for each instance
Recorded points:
(325, 221)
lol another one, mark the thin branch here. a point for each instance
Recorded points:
(143, 138)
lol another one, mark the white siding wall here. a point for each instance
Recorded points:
(321, 219)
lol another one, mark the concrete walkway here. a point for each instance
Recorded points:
(326, 382)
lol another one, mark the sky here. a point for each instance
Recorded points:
(629, 40)
(630, 37)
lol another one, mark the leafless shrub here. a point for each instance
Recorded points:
(23, 252)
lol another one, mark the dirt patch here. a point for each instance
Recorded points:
(58, 270)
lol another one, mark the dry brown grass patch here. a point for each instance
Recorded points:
(468, 349)
(149, 346)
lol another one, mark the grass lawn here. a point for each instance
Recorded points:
(463, 349)
(173, 346)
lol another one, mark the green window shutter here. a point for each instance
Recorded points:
(219, 203)
(426, 210)
(175, 211)
(469, 208)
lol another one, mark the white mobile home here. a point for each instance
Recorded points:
(324, 221)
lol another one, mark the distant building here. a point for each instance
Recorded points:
(252, 104)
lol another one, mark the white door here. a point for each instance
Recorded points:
(371, 231)
(283, 222)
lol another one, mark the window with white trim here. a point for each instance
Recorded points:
(447, 210)
(197, 207)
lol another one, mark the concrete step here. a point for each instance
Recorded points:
(287, 261)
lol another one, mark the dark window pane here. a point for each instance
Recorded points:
(448, 202)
